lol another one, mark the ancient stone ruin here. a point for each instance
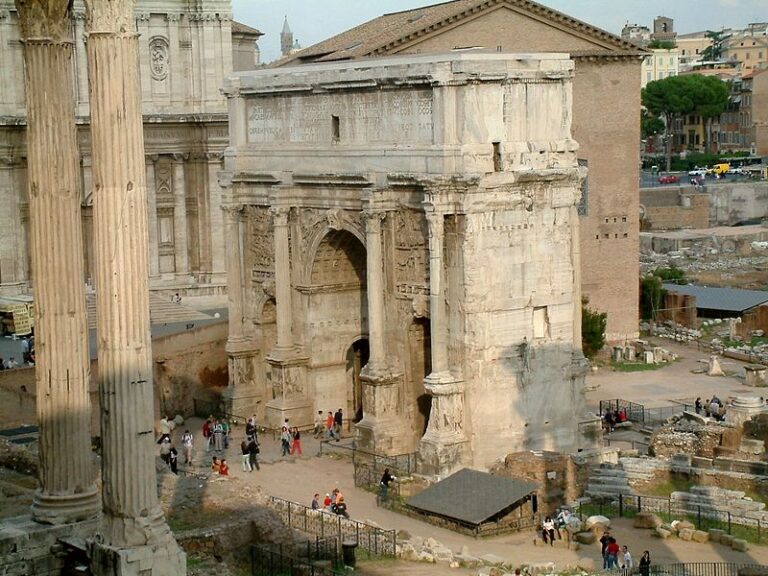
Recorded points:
(403, 244)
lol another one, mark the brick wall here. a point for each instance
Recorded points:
(678, 212)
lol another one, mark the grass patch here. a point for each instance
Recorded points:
(635, 366)
(671, 485)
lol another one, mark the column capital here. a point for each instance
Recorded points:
(180, 157)
(280, 214)
(373, 220)
(45, 20)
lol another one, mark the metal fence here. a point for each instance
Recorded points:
(372, 539)
(369, 467)
(318, 559)
(700, 569)
(703, 516)
(639, 414)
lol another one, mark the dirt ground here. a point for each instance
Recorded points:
(191, 501)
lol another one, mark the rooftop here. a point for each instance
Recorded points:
(472, 497)
(724, 299)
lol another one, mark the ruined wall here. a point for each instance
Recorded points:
(755, 319)
(189, 365)
(733, 202)
(680, 309)
(560, 479)
(671, 209)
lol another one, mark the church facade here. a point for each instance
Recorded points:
(402, 238)
(186, 51)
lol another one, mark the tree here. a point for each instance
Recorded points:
(592, 329)
(662, 45)
(651, 296)
(676, 96)
(714, 51)
(650, 125)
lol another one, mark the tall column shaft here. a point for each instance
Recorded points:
(132, 518)
(234, 276)
(438, 324)
(576, 263)
(67, 487)
(180, 228)
(283, 279)
(375, 290)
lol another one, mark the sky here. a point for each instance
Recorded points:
(316, 20)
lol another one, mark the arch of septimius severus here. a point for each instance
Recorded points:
(402, 242)
(186, 49)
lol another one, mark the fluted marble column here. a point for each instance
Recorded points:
(375, 290)
(134, 537)
(444, 446)
(67, 490)
(216, 218)
(154, 253)
(283, 281)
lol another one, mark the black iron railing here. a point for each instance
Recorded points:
(700, 569)
(319, 558)
(372, 539)
(701, 515)
(639, 414)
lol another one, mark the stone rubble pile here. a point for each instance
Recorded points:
(687, 531)
(672, 331)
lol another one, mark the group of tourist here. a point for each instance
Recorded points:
(552, 527)
(329, 427)
(290, 439)
(9, 364)
(216, 434)
(714, 408)
(619, 558)
(334, 502)
(613, 417)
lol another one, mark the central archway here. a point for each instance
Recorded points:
(337, 322)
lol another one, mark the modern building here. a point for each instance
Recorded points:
(186, 50)
(637, 34)
(691, 48)
(606, 116)
(659, 64)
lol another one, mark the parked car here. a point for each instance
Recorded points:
(669, 179)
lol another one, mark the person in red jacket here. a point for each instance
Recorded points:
(223, 468)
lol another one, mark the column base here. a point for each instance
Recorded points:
(298, 410)
(160, 555)
(243, 405)
(385, 437)
(442, 455)
(50, 509)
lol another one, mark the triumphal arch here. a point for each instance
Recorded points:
(402, 241)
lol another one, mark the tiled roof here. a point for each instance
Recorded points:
(472, 497)
(240, 28)
(380, 35)
(724, 299)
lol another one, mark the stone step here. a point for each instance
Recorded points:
(608, 473)
(608, 489)
(609, 481)
(715, 492)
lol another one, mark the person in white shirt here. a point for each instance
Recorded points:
(626, 567)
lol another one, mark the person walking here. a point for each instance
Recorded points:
(329, 425)
(187, 444)
(225, 430)
(338, 422)
(173, 460)
(626, 565)
(285, 439)
(645, 564)
(208, 434)
(605, 539)
(319, 425)
(253, 454)
(246, 456)
(386, 478)
(612, 552)
(296, 446)
(218, 436)
(165, 451)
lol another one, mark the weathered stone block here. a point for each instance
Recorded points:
(715, 534)
(662, 533)
(726, 540)
(685, 534)
(647, 520)
(585, 537)
(740, 545)
(700, 536)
